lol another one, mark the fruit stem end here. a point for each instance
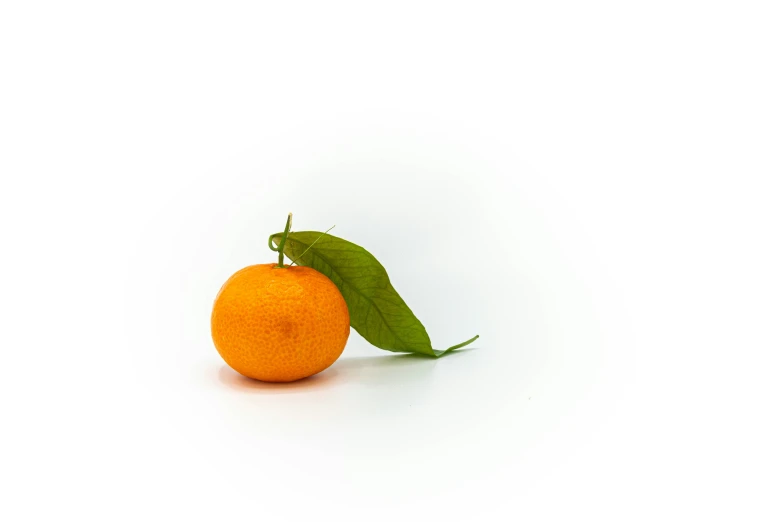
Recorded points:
(279, 249)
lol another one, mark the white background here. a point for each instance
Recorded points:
(594, 187)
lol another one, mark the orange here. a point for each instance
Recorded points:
(279, 324)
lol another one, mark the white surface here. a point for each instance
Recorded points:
(593, 188)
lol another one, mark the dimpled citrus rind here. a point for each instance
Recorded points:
(279, 324)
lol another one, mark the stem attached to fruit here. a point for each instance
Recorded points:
(280, 247)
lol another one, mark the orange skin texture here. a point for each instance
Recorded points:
(279, 324)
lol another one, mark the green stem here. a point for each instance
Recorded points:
(280, 247)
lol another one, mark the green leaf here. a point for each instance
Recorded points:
(377, 311)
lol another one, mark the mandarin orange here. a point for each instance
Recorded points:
(279, 324)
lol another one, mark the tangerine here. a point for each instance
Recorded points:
(279, 324)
